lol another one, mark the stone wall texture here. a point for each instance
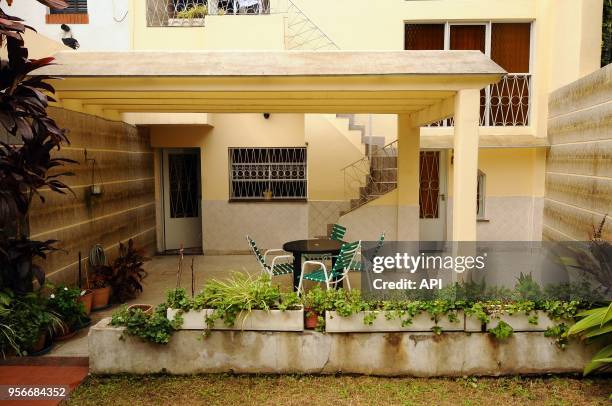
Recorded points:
(579, 163)
(125, 209)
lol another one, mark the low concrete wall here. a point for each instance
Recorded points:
(391, 354)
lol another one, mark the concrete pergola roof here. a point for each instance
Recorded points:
(415, 82)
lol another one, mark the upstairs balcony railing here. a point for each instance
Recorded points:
(192, 13)
(506, 103)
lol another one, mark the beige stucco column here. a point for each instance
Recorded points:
(465, 164)
(408, 136)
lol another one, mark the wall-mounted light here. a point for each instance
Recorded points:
(68, 40)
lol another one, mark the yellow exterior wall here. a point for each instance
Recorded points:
(231, 130)
(328, 152)
(509, 171)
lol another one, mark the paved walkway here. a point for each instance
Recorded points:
(162, 276)
(46, 372)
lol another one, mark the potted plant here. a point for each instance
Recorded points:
(127, 272)
(314, 308)
(192, 16)
(65, 302)
(100, 284)
(240, 303)
(99, 276)
(145, 308)
(86, 297)
(34, 323)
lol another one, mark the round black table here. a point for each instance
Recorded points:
(316, 246)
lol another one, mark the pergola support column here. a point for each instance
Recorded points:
(408, 156)
(465, 164)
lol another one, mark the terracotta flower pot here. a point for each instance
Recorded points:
(311, 318)
(65, 333)
(146, 308)
(39, 345)
(101, 297)
(87, 300)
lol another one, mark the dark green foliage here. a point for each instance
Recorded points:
(26, 162)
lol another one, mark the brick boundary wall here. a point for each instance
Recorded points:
(579, 163)
(126, 207)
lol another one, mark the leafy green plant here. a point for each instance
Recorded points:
(155, 328)
(64, 302)
(527, 289)
(30, 317)
(8, 336)
(596, 325)
(27, 164)
(241, 294)
(127, 272)
(502, 331)
(197, 11)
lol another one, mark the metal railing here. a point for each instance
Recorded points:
(506, 103)
(371, 176)
(192, 13)
(301, 33)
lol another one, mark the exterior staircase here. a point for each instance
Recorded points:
(369, 141)
(372, 176)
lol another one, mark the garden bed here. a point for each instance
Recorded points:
(385, 321)
(536, 320)
(255, 320)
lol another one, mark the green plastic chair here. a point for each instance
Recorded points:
(356, 266)
(339, 271)
(274, 268)
(337, 232)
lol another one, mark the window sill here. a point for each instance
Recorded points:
(268, 201)
(76, 18)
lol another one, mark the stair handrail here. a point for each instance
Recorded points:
(359, 173)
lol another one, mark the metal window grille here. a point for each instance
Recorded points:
(268, 173)
(74, 7)
(192, 13)
(503, 104)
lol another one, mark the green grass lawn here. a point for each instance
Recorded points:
(343, 390)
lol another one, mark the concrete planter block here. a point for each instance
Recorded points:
(256, 320)
(334, 323)
(112, 351)
(520, 321)
(472, 324)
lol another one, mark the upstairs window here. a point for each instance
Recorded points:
(74, 7)
(262, 174)
(75, 13)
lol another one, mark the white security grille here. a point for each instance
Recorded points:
(268, 173)
(506, 103)
(192, 13)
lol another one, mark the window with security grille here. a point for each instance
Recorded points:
(268, 174)
(74, 7)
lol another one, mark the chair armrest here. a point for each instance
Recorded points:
(272, 250)
(315, 262)
(280, 257)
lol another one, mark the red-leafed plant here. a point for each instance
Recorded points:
(26, 161)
